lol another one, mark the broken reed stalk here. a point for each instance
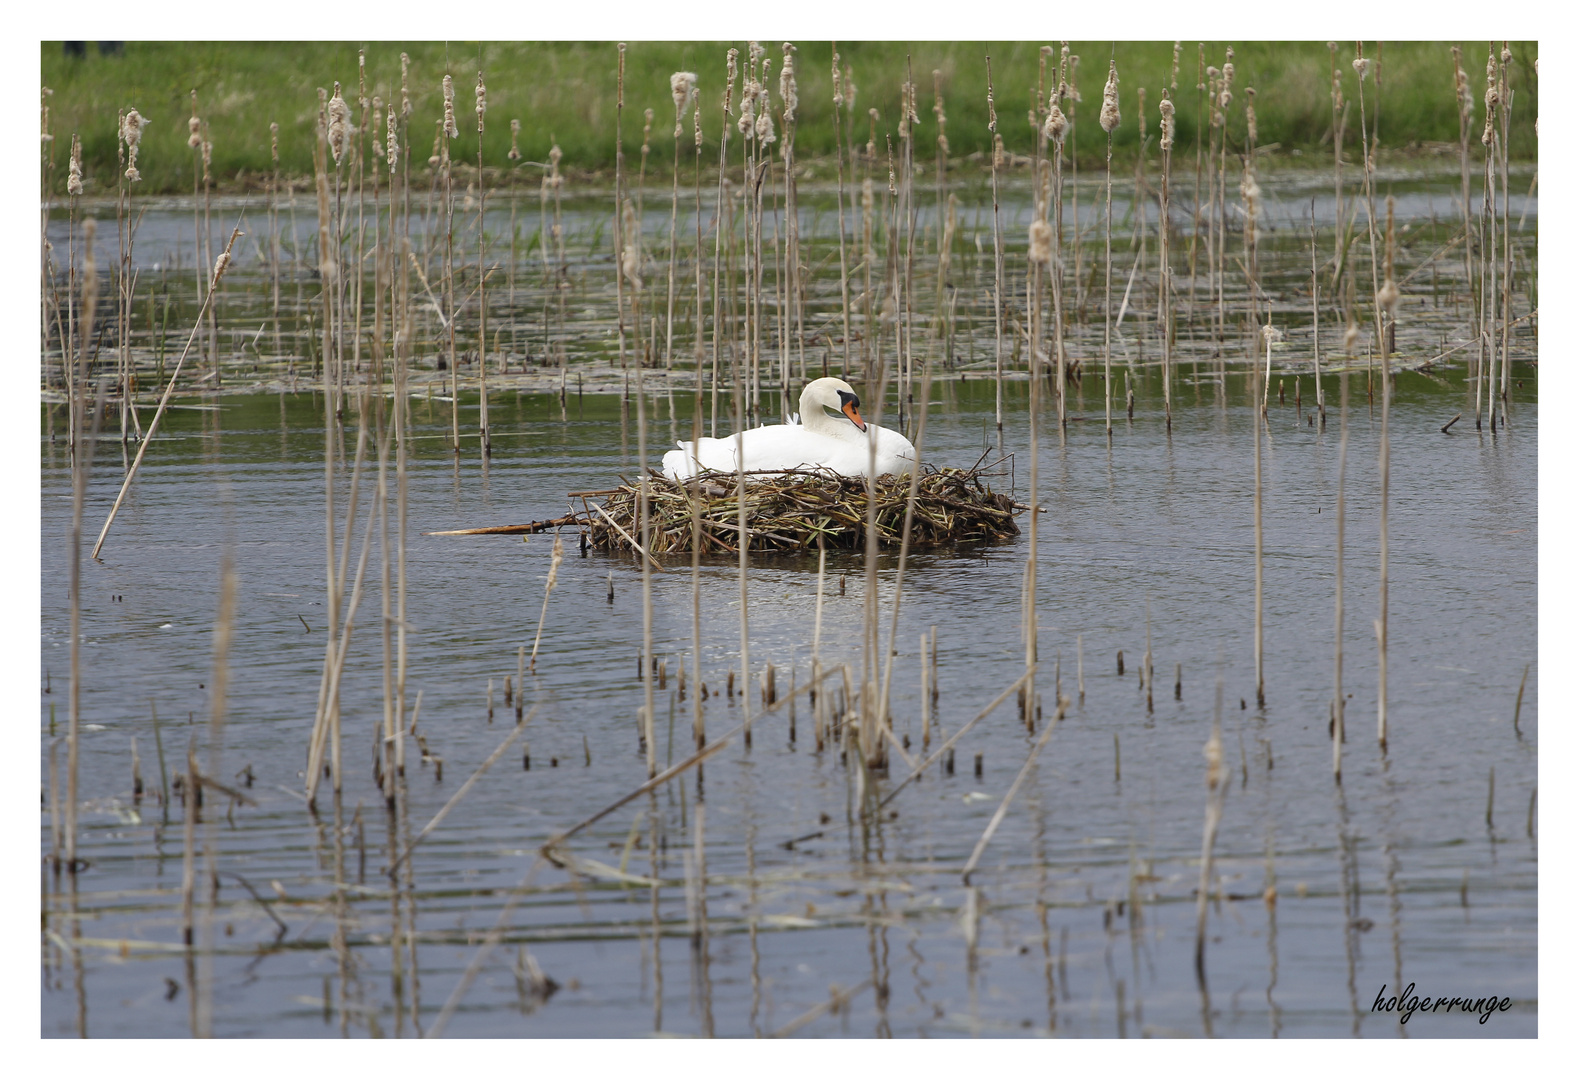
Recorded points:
(220, 266)
(649, 726)
(936, 755)
(1315, 319)
(460, 792)
(1216, 792)
(548, 590)
(81, 465)
(904, 537)
(1008, 797)
(675, 770)
(224, 625)
(1337, 637)
(1384, 467)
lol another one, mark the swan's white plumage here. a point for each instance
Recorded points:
(821, 441)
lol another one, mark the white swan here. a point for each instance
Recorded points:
(831, 435)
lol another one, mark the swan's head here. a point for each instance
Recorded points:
(827, 404)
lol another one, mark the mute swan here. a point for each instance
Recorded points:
(831, 435)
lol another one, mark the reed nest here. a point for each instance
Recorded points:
(789, 511)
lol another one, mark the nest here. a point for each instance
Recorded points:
(790, 512)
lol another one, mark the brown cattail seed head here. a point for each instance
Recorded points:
(1250, 114)
(1057, 124)
(1109, 117)
(449, 108)
(731, 71)
(1387, 296)
(208, 160)
(1177, 45)
(696, 120)
(1270, 334)
(405, 92)
(482, 101)
(378, 144)
(1041, 241)
(1165, 106)
(74, 178)
(194, 137)
(681, 84)
(391, 141)
(221, 264)
(765, 126)
(339, 125)
(515, 141)
(132, 134)
(1507, 53)
(43, 97)
(1362, 67)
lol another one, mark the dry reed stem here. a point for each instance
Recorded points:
(460, 792)
(1008, 797)
(219, 270)
(1216, 791)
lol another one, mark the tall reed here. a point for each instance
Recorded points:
(1165, 275)
(1109, 120)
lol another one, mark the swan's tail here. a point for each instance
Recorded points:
(680, 464)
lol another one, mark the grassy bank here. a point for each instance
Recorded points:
(564, 92)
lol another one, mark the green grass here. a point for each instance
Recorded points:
(564, 91)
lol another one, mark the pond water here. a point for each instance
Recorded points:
(1080, 919)
(752, 895)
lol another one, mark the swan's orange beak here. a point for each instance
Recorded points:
(854, 413)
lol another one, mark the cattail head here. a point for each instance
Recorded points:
(849, 89)
(731, 70)
(132, 127)
(838, 83)
(1507, 53)
(132, 134)
(194, 128)
(787, 88)
(696, 120)
(1174, 84)
(1387, 296)
(1250, 114)
(208, 160)
(45, 136)
(1271, 334)
(681, 84)
(1165, 106)
(378, 144)
(1140, 95)
(515, 141)
(1074, 70)
(1109, 117)
(765, 134)
(405, 91)
(1057, 124)
(391, 140)
(1041, 246)
(646, 132)
(449, 108)
(482, 101)
(871, 134)
(1466, 99)
(630, 262)
(747, 124)
(555, 559)
(1225, 93)
(1362, 67)
(339, 129)
(866, 195)
(221, 264)
(74, 177)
